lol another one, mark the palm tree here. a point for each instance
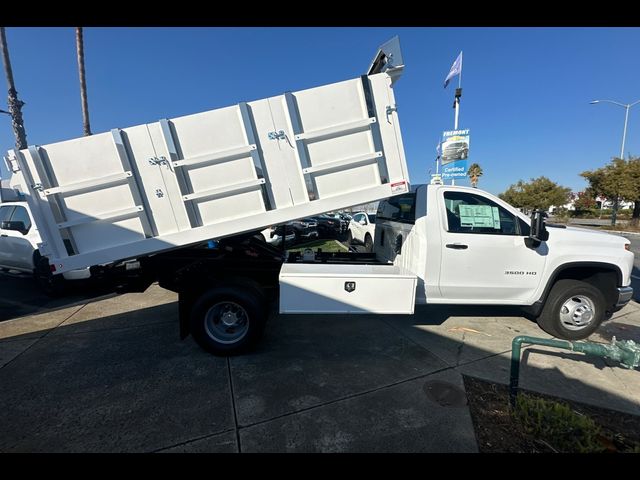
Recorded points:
(83, 83)
(15, 105)
(474, 173)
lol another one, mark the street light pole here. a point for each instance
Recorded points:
(627, 107)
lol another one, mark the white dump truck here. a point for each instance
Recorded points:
(182, 202)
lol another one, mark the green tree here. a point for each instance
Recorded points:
(585, 201)
(474, 173)
(514, 195)
(539, 193)
(634, 174)
(617, 181)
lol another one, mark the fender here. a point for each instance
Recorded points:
(537, 306)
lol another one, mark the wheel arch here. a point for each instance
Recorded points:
(602, 275)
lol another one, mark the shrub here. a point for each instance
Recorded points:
(559, 425)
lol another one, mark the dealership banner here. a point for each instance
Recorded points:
(454, 153)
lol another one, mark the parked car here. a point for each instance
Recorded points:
(329, 226)
(344, 220)
(362, 230)
(274, 235)
(19, 240)
(304, 229)
(455, 151)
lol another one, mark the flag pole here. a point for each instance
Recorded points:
(456, 103)
(458, 94)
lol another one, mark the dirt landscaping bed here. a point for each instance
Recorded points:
(541, 423)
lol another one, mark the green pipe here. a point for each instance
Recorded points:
(627, 352)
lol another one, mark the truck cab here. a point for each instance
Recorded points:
(466, 246)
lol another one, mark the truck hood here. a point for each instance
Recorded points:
(587, 238)
(583, 245)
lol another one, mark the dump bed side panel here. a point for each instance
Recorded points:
(163, 185)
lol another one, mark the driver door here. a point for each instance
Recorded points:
(484, 257)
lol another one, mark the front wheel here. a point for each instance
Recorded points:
(228, 320)
(573, 310)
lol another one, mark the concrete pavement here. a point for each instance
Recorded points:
(111, 375)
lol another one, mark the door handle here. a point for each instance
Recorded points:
(457, 246)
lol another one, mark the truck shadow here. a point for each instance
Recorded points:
(20, 295)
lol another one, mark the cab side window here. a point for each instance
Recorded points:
(20, 214)
(401, 208)
(470, 213)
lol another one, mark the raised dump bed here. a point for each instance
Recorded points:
(140, 190)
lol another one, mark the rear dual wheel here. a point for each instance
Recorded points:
(228, 320)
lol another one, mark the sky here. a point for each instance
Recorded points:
(526, 91)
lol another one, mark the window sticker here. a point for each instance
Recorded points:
(479, 216)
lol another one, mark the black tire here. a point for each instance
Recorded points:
(51, 285)
(248, 311)
(349, 238)
(581, 297)
(368, 243)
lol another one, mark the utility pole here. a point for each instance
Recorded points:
(83, 82)
(15, 105)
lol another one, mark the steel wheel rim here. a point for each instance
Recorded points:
(577, 312)
(226, 322)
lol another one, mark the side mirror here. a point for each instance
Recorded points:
(18, 226)
(538, 232)
(362, 222)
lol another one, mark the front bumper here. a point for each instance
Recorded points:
(624, 296)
